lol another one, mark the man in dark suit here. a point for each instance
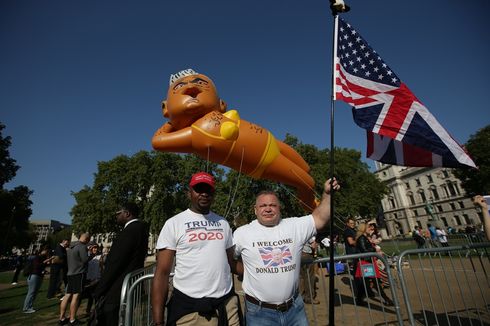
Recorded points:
(127, 254)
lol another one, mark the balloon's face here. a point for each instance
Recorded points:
(189, 99)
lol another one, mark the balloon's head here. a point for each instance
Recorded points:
(190, 96)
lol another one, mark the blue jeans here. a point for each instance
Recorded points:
(34, 283)
(295, 316)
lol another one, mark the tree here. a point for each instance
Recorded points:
(477, 181)
(156, 181)
(15, 204)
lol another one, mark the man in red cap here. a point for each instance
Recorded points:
(201, 243)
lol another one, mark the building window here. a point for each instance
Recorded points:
(422, 196)
(461, 204)
(429, 178)
(411, 198)
(439, 208)
(445, 173)
(444, 220)
(457, 188)
(457, 220)
(415, 212)
(467, 219)
(417, 182)
(434, 193)
(452, 189)
(392, 202)
(453, 207)
(407, 185)
(445, 190)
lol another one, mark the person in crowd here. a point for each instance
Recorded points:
(103, 257)
(200, 242)
(442, 237)
(37, 264)
(418, 237)
(271, 285)
(127, 254)
(433, 235)
(350, 236)
(77, 257)
(20, 260)
(93, 277)
(481, 202)
(58, 269)
(308, 278)
(364, 245)
(375, 237)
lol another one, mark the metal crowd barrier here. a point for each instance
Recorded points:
(446, 286)
(436, 286)
(135, 307)
(348, 311)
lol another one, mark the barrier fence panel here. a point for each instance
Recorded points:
(431, 286)
(380, 303)
(135, 308)
(446, 286)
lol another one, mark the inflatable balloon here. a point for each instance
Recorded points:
(199, 123)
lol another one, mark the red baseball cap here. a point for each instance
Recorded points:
(202, 177)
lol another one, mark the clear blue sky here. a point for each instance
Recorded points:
(82, 81)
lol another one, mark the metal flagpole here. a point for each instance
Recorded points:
(336, 6)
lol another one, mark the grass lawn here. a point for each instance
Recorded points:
(12, 301)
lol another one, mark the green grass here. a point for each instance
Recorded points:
(12, 301)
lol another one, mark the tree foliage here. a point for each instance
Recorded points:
(477, 181)
(156, 181)
(15, 204)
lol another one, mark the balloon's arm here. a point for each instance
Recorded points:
(176, 141)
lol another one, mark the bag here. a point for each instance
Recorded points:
(339, 267)
(367, 269)
(28, 267)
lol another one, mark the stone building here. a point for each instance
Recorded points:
(43, 229)
(419, 196)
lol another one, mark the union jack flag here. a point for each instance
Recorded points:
(401, 131)
(275, 256)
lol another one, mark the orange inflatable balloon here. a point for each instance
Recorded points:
(199, 123)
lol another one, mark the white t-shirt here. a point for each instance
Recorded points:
(442, 236)
(272, 256)
(200, 242)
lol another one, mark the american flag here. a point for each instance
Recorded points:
(275, 256)
(401, 131)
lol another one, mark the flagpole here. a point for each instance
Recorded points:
(331, 273)
(336, 6)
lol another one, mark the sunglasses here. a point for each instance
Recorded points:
(203, 188)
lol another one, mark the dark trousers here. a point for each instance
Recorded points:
(54, 280)
(110, 314)
(15, 279)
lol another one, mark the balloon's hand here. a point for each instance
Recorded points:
(229, 130)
